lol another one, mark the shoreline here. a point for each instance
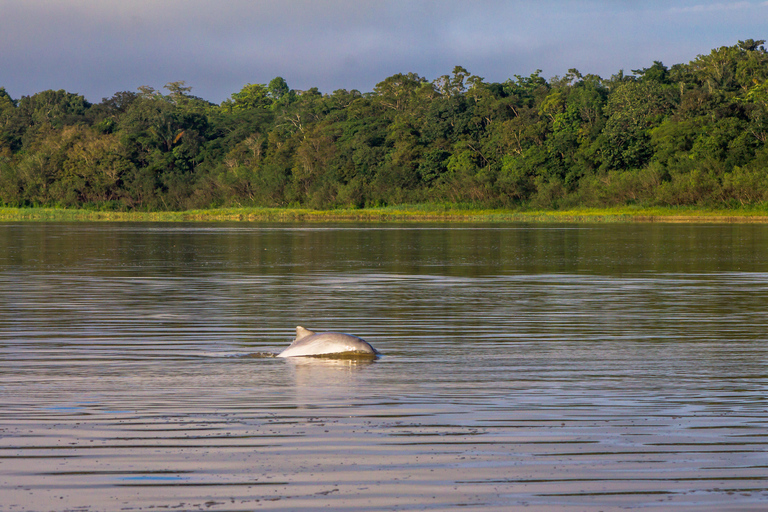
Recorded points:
(406, 213)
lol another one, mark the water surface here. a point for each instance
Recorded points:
(575, 367)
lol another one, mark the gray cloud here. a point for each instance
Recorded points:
(729, 6)
(98, 47)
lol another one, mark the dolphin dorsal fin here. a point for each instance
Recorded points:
(302, 333)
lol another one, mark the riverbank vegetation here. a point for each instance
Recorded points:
(661, 137)
(400, 213)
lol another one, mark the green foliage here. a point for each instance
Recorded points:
(9, 129)
(252, 96)
(633, 110)
(690, 134)
(657, 73)
(55, 108)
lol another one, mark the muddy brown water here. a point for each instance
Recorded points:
(573, 367)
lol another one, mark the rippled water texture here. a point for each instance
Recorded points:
(563, 367)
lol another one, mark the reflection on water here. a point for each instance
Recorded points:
(560, 367)
(325, 380)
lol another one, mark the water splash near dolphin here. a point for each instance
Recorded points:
(327, 344)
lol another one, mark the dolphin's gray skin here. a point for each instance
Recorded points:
(308, 343)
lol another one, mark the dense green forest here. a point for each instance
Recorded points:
(688, 134)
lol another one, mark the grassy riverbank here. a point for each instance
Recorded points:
(397, 214)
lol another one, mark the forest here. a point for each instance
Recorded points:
(689, 134)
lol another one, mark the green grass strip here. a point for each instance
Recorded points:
(404, 213)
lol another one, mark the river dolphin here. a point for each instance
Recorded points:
(308, 343)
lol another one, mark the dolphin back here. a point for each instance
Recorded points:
(329, 344)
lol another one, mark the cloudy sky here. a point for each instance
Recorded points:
(99, 47)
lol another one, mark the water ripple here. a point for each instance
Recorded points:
(137, 369)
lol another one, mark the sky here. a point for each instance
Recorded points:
(99, 47)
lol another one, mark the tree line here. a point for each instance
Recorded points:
(690, 134)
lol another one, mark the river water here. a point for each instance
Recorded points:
(560, 367)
